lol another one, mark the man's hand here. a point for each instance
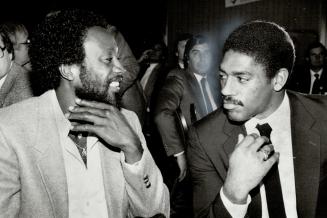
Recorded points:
(108, 123)
(182, 165)
(247, 167)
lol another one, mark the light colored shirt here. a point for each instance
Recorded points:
(313, 78)
(212, 101)
(2, 80)
(86, 193)
(281, 138)
(147, 74)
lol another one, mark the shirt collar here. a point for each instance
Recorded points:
(62, 122)
(276, 119)
(313, 73)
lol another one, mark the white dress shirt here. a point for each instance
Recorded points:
(2, 80)
(281, 138)
(313, 78)
(212, 101)
(147, 74)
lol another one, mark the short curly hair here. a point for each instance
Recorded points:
(268, 43)
(58, 40)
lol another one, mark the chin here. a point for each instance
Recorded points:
(236, 117)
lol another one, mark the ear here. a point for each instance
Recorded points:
(68, 72)
(280, 79)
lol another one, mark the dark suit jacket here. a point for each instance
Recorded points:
(213, 139)
(300, 80)
(180, 90)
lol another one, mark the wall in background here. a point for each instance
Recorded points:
(305, 20)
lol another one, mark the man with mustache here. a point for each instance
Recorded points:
(72, 152)
(264, 154)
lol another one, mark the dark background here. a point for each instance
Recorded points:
(137, 20)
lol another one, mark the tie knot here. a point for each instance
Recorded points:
(264, 129)
(316, 75)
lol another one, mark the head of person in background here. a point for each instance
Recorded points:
(18, 35)
(316, 56)
(198, 55)
(156, 52)
(180, 48)
(6, 53)
(258, 58)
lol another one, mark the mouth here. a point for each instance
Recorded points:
(115, 82)
(230, 106)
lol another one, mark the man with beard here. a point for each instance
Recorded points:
(265, 154)
(72, 152)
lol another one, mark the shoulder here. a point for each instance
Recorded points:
(211, 125)
(316, 105)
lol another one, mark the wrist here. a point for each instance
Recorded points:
(133, 153)
(234, 196)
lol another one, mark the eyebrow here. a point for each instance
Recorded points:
(235, 73)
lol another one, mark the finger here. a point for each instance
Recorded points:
(95, 104)
(240, 138)
(272, 160)
(86, 117)
(94, 129)
(258, 142)
(265, 152)
(247, 140)
(91, 110)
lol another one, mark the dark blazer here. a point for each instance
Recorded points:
(213, 139)
(300, 79)
(180, 90)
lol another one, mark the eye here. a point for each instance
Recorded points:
(222, 76)
(107, 60)
(243, 79)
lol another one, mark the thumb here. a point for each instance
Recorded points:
(240, 138)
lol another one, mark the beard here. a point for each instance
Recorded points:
(95, 90)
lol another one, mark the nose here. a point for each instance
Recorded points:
(226, 87)
(117, 66)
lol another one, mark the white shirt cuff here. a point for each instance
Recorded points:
(235, 210)
(178, 154)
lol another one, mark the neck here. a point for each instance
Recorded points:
(274, 104)
(315, 69)
(65, 95)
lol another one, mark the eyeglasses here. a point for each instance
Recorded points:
(2, 53)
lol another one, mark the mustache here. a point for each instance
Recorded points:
(230, 100)
(117, 78)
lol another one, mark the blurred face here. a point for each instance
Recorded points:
(181, 49)
(21, 48)
(156, 53)
(316, 57)
(246, 90)
(200, 59)
(5, 60)
(101, 73)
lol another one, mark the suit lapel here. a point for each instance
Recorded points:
(50, 160)
(113, 184)
(306, 153)
(8, 83)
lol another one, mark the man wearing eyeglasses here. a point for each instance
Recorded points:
(18, 35)
(14, 80)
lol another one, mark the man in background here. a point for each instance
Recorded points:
(311, 78)
(14, 79)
